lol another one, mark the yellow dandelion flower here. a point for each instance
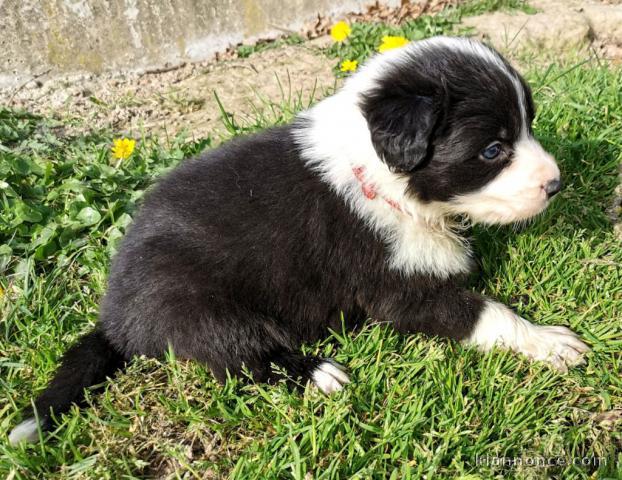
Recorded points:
(123, 148)
(340, 31)
(349, 65)
(1, 292)
(389, 43)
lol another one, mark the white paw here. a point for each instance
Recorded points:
(25, 432)
(329, 376)
(559, 346)
(498, 325)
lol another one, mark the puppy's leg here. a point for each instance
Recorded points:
(298, 369)
(484, 323)
(239, 341)
(232, 339)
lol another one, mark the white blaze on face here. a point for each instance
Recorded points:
(517, 192)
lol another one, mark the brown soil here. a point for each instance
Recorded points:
(184, 98)
(163, 101)
(168, 100)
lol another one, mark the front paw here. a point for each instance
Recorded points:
(557, 345)
(498, 325)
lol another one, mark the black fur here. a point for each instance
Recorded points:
(402, 123)
(86, 363)
(241, 255)
(238, 257)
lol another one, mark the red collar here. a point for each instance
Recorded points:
(370, 190)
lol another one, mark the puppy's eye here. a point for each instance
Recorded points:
(492, 151)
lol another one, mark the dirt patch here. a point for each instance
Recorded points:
(164, 101)
(269, 85)
(378, 12)
(557, 27)
(161, 442)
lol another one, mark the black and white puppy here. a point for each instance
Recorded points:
(239, 256)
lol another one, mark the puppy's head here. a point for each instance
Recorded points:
(455, 118)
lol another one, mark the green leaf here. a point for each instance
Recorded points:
(45, 251)
(123, 221)
(22, 166)
(72, 185)
(26, 213)
(67, 235)
(5, 256)
(45, 235)
(88, 216)
(114, 237)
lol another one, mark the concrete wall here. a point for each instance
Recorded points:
(101, 35)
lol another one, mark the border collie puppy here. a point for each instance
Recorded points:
(239, 256)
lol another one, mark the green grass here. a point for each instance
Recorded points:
(416, 405)
(478, 7)
(245, 51)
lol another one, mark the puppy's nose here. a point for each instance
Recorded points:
(552, 187)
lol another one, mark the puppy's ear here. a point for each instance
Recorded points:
(401, 125)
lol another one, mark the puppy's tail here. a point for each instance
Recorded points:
(87, 363)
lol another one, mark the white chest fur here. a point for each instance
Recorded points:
(336, 143)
